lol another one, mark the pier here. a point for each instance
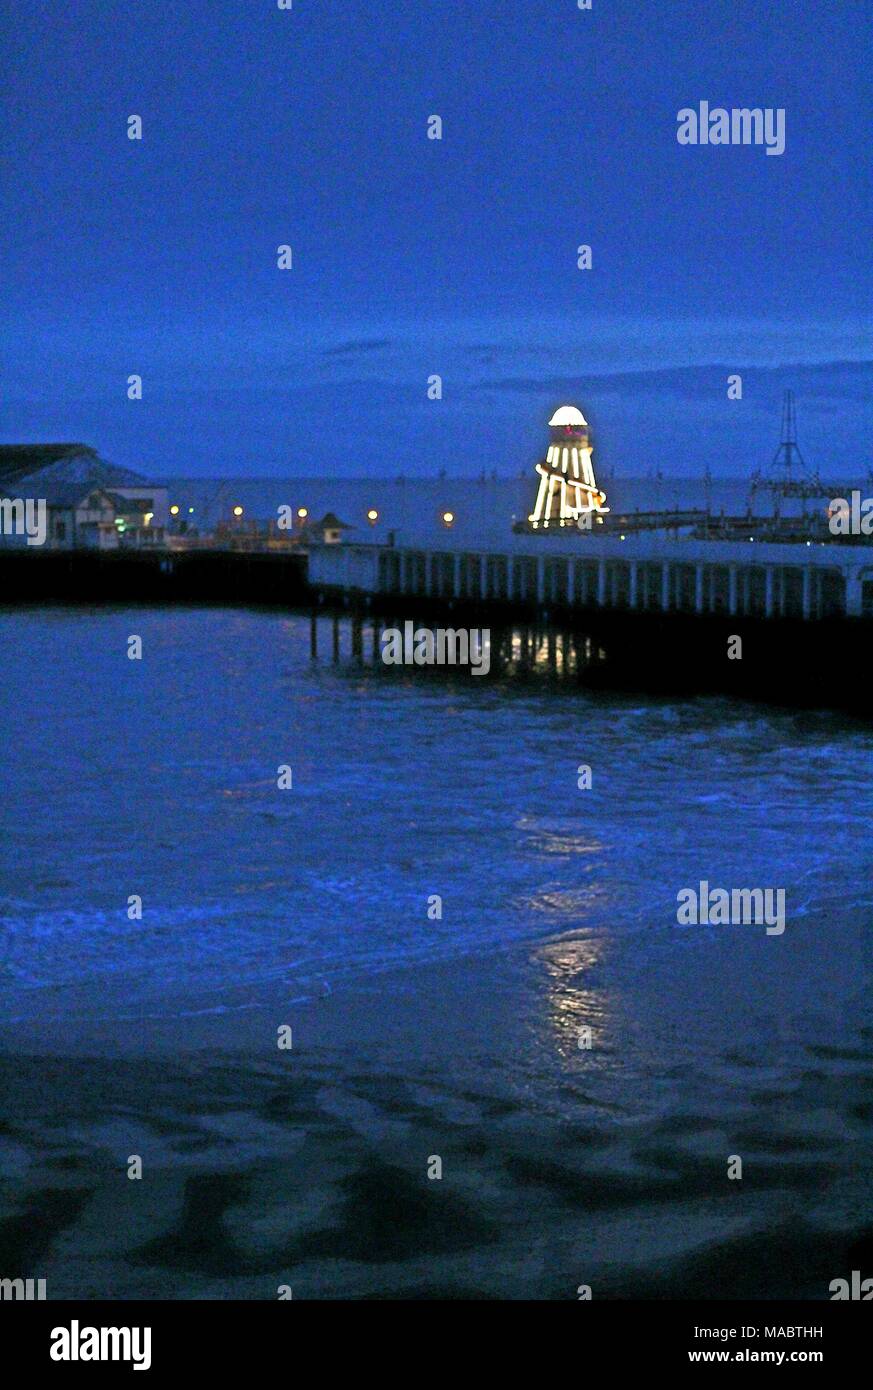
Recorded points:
(648, 613)
(642, 573)
(153, 576)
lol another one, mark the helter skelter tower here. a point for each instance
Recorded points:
(568, 488)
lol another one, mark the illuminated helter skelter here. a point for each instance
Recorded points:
(568, 489)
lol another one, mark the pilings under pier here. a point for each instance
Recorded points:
(794, 663)
(663, 616)
(356, 638)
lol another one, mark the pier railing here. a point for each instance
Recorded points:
(639, 573)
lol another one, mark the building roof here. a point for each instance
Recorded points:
(70, 495)
(27, 458)
(62, 494)
(39, 465)
(126, 506)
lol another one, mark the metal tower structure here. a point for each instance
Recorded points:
(788, 474)
(788, 465)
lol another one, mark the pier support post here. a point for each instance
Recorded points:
(854, 594)
(336, 639)
(571, 582)
(601, 584)
(807, 593)
(456, 577)
(483, 578)
(633, 585)
(768, 591)
(732, 590)
(404, 570)
(428, 573)
(313, 636)
(665, 586)
(541, 578)
(510, 578)
(698, 588)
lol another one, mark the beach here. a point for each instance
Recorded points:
(310, 1172)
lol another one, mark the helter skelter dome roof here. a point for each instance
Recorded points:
(567, 415)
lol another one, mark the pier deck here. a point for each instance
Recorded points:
(643, 572)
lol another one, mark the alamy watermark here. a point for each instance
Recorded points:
(732, 907)
(28, 1290)
(440, 646)
(850, 516)
(742, 125)
(77, 1343)
(20, 516)
(861, 1290)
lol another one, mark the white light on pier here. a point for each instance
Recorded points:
(567, 415)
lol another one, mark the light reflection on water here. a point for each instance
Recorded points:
(571, 1003)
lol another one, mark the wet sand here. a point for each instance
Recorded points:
(309, 1168)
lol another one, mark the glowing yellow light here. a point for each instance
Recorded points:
(174, 511)
(448, 518)
(237, 511)
(147, 518)
(190, 509)
(302, 512)
(372, 514)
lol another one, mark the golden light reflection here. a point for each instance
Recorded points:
(565, 838)
(573, 1003)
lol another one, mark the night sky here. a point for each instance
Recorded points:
(411, 257)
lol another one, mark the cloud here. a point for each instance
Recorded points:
(845, 379)
(356, 346)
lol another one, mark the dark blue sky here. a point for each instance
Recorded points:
(414, 257)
